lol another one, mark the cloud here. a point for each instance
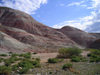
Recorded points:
(76, 4)
(95, 26)
(81, 23)
(95, 4)
(28, 6)
(90, 23)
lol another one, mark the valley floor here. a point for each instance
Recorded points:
(81, 68)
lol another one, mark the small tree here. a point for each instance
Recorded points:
(68, 52)
(67, 66)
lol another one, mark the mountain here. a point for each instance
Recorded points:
(25, 29)
(23, 33)
(80, 37)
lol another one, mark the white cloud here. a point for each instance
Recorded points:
(89, 23)
(76, 3)
(28, 6)
(80, 23)
(94, 4)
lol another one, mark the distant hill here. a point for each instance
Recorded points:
(80, 37)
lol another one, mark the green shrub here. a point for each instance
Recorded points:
(36, 63)
(92, 59)
(37, 59)
(15, 67)
(94, 55)
(75, 59)
(3, 55)
(25, 65)
(67, 66)
(1, 59)
(5, 70)
(83, 59)
(52, 60)
(68, 52)
(14, 55)
(78, 59)
(11, 60)
(95, 51)
(34, 53)
(26, 55)
(22, 67)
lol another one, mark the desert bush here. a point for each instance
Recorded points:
(25, 65)
(92, 59)
(3, 55)
(94, 55)
(37, 59)
(54, 60)
(67, 66)
(68, 52)
(22, 67)
(36, 63)
(84, 59)
(5, 70)
(34, 53)
(11, 60)
(75, 59)
(1, 59)
(14, 55)
(26, 55)
(78, 59)
(95, 51)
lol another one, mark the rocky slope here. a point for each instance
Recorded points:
(26, 34)
(95, 44)
(80, 37)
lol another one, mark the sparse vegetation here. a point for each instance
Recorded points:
(78, 59)
(3, 55)
(54, 60)
(68, 52)
(26, 55)
(4, 70)
(75, 59)
(23, 64)
(94, 55)
(67, 66)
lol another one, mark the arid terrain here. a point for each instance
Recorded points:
(19, 32)
(30, 47)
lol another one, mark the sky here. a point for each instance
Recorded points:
(82, 14)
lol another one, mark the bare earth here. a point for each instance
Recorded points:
(45, 56)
